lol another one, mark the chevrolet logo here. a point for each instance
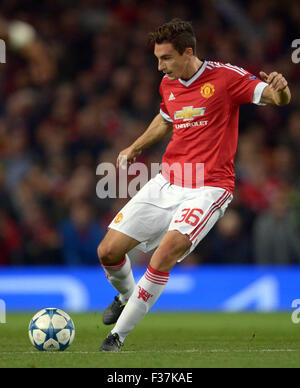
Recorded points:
(189, 113)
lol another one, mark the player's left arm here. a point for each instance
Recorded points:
(277, 92)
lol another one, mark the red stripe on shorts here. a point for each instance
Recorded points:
(208, 217)
(217, 203)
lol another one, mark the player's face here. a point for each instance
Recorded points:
(171, 62)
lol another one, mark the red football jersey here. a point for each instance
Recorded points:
(205, 111)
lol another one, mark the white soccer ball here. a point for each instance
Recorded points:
(51, 329)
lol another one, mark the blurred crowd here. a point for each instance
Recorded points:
(84, 86)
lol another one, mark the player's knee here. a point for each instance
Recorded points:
(107, 254)
(176, 248)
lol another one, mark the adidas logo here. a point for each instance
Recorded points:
(172, 97)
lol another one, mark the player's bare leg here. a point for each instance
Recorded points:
(149, 288)
(116, 264)
(172, 247)
(114, 246)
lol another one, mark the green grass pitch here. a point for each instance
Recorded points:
(164, 341)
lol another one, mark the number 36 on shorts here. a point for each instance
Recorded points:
(190, 216)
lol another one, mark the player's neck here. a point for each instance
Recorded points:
(192, 69)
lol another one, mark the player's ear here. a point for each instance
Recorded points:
(189, 51)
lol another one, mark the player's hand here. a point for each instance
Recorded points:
(276, 81)
(128, 155)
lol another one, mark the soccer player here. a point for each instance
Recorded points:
(176, 209)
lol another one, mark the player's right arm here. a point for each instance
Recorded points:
(157, 130)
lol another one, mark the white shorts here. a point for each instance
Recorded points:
(160, 207)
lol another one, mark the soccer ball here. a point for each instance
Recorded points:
(51, 329)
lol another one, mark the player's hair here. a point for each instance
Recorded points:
(178, 32)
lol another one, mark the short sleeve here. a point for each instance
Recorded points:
(243, 87)
(163, 108)
(258, 93)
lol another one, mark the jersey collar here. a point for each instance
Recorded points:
(195, 76)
